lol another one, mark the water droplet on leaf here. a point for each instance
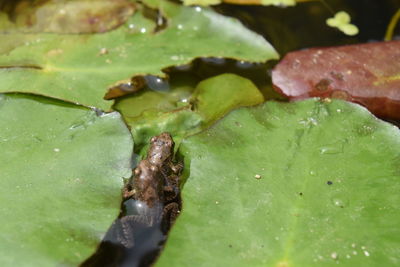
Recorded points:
(157, 84)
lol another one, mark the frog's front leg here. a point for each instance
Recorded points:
(170, 213)
(177, 168)
(171, 189)
(128, 190)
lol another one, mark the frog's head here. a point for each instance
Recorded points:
(161, 149)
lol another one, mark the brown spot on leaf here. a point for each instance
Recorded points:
(337, 75)
(323, 85)
(340, 95)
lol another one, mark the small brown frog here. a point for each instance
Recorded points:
(156, 179)
(152, 203)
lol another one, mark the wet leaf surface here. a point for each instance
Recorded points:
(80, 68)
(215, 97)
(307, 183)
(76, 16)
(368, 74)
(181, 112)
(61, 178)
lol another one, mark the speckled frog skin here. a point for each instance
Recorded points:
(156, 178)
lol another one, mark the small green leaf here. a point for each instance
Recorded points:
(341, 20)
(349, 29)
(61, 177)
(215, 97)
(307, 183)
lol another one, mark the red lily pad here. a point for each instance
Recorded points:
(367, 74)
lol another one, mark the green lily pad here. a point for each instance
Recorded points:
(76, 16)
(79, 68)
(290, 184)
(61, 178)
(181, 112)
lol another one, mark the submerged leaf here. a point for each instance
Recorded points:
(368, 74)
(61, 178)
(76, 16)
(341, 20)
(215, 97)
(79, 68)
(181, 112)
(290, 184)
